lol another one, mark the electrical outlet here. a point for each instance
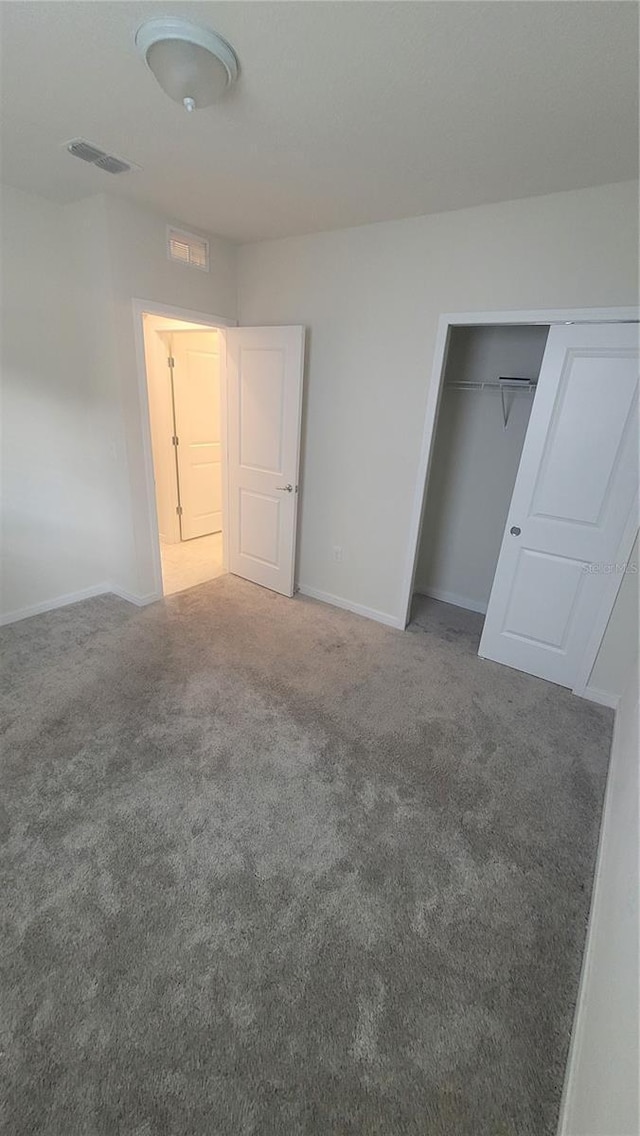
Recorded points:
(337, 552)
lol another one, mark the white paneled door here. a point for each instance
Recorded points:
(575, 495)
(264, 393)
(196, 394)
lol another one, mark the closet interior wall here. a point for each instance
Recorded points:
(475, 461)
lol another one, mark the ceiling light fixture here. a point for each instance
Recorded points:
(193, 65)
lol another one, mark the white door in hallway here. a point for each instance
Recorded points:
(196, 394)
(264, 367)
(575, 498)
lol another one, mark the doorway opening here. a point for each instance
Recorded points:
(222, 469)
(183, 377)
(488, 388)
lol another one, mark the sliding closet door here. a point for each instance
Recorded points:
(575, 495)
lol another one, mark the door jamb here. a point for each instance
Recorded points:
(469, 319)
(208, 321)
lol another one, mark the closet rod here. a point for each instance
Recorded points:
(499, 384)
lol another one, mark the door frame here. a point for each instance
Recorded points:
(446, 323)
(209, 322)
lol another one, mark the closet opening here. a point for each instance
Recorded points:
(488, 389)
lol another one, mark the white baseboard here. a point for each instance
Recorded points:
(602, 697)
(76, 597)
(50, 605)
(348, 605)
(454, 598)
(131, 597)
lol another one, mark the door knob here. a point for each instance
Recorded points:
(515, 531)
(285, 488)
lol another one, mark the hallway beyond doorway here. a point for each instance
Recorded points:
(190, 562)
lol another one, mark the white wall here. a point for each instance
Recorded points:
(75, 509)
(53, 536)
(602, 1088)
(89, 252)
(371, 298)
(475, 462)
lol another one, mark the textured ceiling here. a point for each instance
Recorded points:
(345, 112)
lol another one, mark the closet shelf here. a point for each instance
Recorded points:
(501, 384)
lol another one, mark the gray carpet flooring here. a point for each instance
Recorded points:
(270, 868)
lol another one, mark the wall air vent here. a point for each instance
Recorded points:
(188, 248)
(89, 153)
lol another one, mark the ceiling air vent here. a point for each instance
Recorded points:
(112, 165)
(188, 248)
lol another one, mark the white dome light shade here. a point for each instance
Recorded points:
(187, 71)
(193, 65)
